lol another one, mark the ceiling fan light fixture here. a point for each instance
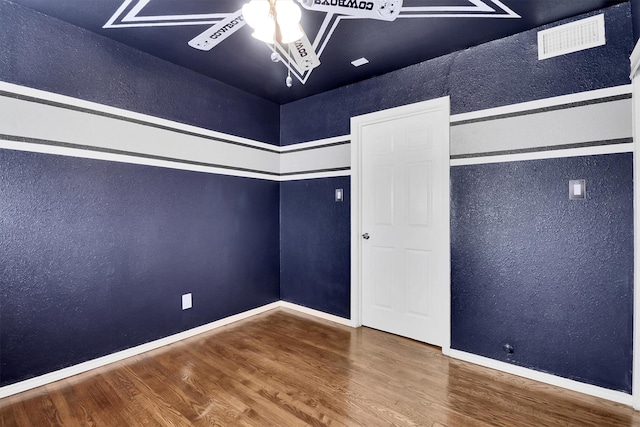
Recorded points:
(255, 12)
(265, 33)
(290, 33)
(288, 12)
(258, 15)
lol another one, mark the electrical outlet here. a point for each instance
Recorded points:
(187, 301)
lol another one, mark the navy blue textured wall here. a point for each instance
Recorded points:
(44, 53)
(498, 73)
(553, 277)
(635, 13)
(96, 255)
(315, 267)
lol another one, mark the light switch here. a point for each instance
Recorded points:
(339, 195)
(187, 301)
(577, 189)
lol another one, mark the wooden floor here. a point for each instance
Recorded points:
(282, 368)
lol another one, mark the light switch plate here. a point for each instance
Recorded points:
(577, 189)
(187, 301)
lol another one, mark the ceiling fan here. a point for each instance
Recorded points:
(277, 23)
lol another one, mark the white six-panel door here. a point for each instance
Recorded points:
(404, 256)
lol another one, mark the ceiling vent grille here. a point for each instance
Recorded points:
(571, 37)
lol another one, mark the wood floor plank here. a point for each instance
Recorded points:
(7, 418)
(311, 365)
(249, 389)
(126, 391)
(283, 368)
(269, 379)
(370, 393)
(193, 400)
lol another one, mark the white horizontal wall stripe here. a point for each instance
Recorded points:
(549, 154)
(544, 103)
(314, 144)
(22, 118)
(48, 123)
(132, 159)
(305, 160)
(315, 175)
(100, 108)
(582, 123)
(137, 160)
(327, 157)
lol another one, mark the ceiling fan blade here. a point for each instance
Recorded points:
(384, 10)
(219, 32)
(302, 54)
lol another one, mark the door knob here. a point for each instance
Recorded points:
(366, 236)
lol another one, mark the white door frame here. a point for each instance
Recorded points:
(635, 82)
(357, 123)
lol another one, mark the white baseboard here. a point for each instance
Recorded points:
(121, 355)
(134, 351)
(592, 390)
(615, 396)
(316, 313)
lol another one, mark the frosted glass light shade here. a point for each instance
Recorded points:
(290, 32)
(257, 15)
(265, 33)
(289, 15)
(288, 12)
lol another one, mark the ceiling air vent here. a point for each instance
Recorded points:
(571, 37)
